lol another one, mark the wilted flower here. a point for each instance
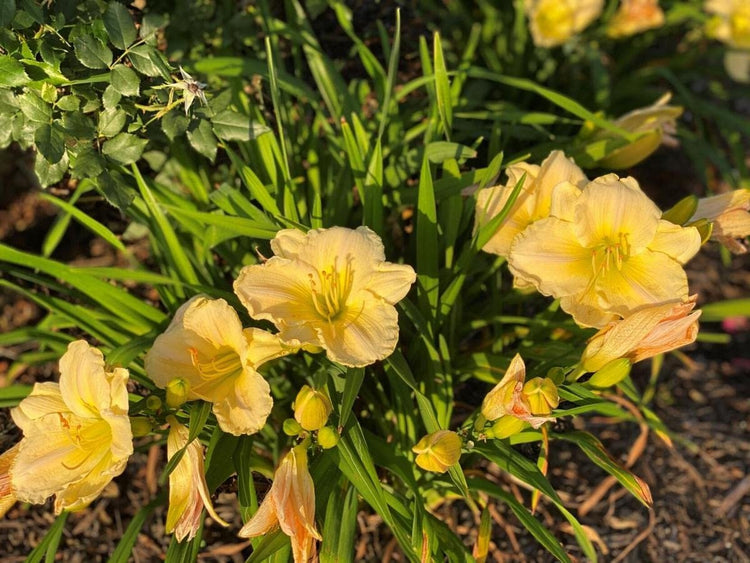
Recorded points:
(605, 251)
(541, 394)
(730, 215)
(533, 202)
(312, 408)
(216, 360)
(656, 123)
(290, 504)
(438, 451)
(329, 288)
(553, 22)
(7, 494)
(191, 89)
(188, 491)
(635, 16)
(731, 22)
(76, 434)
(643, 334)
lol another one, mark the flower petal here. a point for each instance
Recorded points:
(262, 346)
(680, 243)
(214, 320)
(585, 310)
(288, 243)
(246, 409)
(44, 399)
(83, 384)
(391, 282)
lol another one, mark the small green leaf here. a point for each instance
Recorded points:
(151, 23)
(140, 56)
(69, 103)
(124, 148)
(114, 188)
(174, 124)
(34, 108)
(111, 122)
(111, 97)
(125, 80)
(119, 25)
(91, 52)
(50, 141)
(202, 139)
(12, 72)
(47, 173)
(87, 163)
(7, 12)
(232, 126)
(78, 125)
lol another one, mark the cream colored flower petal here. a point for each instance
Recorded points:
(496, 403)
(44, 399)
(214, 320)
(366, 332)
(262, 347)
(586, 11)
(734, 223)
(121, 433)
(391, 282)
(170, 357)
(262, 522)
(607, 211)
(680, 243)
(549, 255)
(246, 409)
(83, 385)
(78, 495)
(117, 380)
(288, 243)
(585, 310)
(668, 336)
(556, 168)
(490, 202)
(719, 7)
(649, 278)
(516, 171)
(563, 202)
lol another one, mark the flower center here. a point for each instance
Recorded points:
(225, 363)
(332, 289)
(610, 254)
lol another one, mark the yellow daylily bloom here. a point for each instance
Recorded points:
(76, 434)
(330, 289)
(656, 123)
(643, 334)
(553, 22)
(635, 16)
(217, 361)
(731, 22)
(438, 451)
(533, 202)
(730, 215)
(508, 397)
(605, 252)
(7, 494)
(188, 491)
(312, 408)
(290, 504)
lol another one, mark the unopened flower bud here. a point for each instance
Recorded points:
(140, 426)
(611, 374)
(328, 438)
(505, 427)
(438, 451)
(177, 392)
(291, 427)
(153, 403)
(682, 211)
(312, 408)
(541, 395)
(705, 228)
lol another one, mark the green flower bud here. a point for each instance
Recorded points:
(505, 427)
(611, 374)
(328, 438)
(312, 408)
(291, 427)
(177, 392)
(140, 426)
(681, 212)
(153, 403)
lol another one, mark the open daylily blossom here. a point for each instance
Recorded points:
(643, 334)
(290, 504)
(656, 123)
(553, 22)
(533, 202)
(605, 251)
(730, 214)
(188, 491)
(508, 397)
(730, 23)
(7, 495)
(634, 16)
(206, 347)
(76, 434)
(330, 289)
(438, 451)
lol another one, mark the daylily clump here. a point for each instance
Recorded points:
(330, 289)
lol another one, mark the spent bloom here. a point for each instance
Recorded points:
(730, 23)
(438, 451)
(188, 491)
(605, 252)
(290, 504)
(76, 433)
(634, 16)
(553, 22)
(330, 289)
(643, 334)
(730, 215)
(214, 359)
(533, 202)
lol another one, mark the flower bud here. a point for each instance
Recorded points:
(153, 403)
(328, 438)
(541, 395)
(505, 427)
(611, 374)
(177, 392)
(291, 427)
(682, 211)
(140, 426)
(438, 451)
(312, 408)
(705, 228)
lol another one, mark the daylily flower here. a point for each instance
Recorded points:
(7, 494)
(533, 202)
(206, 347)
(634, 16)
(438, 451)
(730, 214)
(643, 334)
(553, 22)
(290, 504)
(731, 22)
(188, 491)
(76, 434)
(331, 289)
(509, 398)
(605, 251)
